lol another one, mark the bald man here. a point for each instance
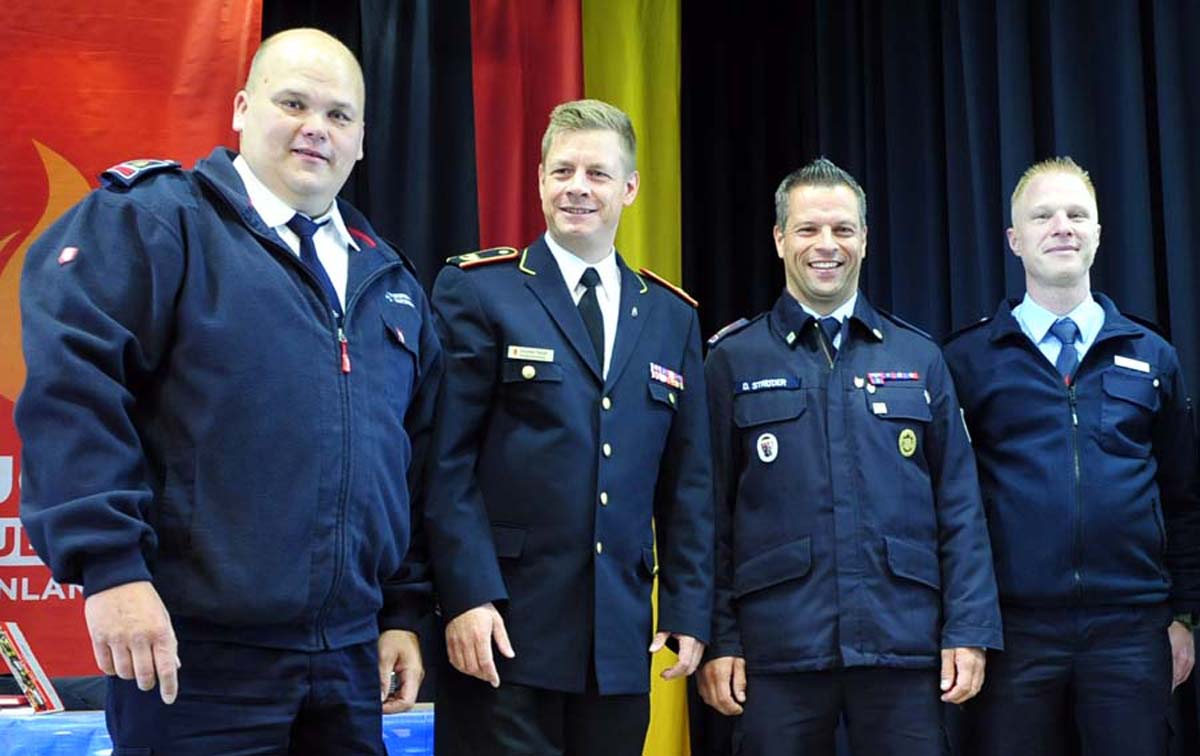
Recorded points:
(230, 375)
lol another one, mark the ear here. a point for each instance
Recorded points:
(1013, 241)
(778, 234)
(362, 135)
(542, 181)
(864, 244)
(632, 182)
(241, 101)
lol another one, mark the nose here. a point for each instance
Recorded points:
(577, 184)
(314, 127)
(1060, 224)
(826, 239)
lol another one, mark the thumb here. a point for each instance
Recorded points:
(385, 680)
(739, 681)
(500, 634)
(660, 640)
(947, 669)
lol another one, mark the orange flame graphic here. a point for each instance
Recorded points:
(66, 187)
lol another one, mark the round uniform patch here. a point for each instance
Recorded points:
(768, 447)
(908, 442)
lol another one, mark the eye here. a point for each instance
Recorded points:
(805, 230)
(598, 174)
(844, 231)
(291, 103)
(340, 116)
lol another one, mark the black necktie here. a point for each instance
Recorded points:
(1066, 332)
(305, 228)
(829, 329)
(589, 309)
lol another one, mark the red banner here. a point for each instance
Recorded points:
(90, 85)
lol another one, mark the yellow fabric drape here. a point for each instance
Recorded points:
(631, 59)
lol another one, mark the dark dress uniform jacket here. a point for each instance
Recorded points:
(548, 475)
(849, 526)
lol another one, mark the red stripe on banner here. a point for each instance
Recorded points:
(526, 57)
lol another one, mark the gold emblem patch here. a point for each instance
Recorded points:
(908, 442)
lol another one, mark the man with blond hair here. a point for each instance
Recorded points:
(230, 376)
(1084, 436)
(573, 417)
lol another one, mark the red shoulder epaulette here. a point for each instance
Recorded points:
(669, 286)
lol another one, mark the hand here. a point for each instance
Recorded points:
(962, 673)
(132, 637)
(469, 639)
(1183, 652)
(723, 684)
(690, 652)
(399, 656)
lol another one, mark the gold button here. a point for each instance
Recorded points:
(599, 548)
(606, 403)
(671, 397)
(528, 372)
(604, 498)
(607, 450)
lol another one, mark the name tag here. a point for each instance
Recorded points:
(1132, 364)
(530, 354)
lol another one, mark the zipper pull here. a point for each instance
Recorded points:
(345, 344)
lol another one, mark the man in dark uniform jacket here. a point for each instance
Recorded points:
(573, 437)
(853, 577)
(1085, 440)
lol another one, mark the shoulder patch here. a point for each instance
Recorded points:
(484, 257)
(669, 286)
(132, 171)
(733, 327)
(903, 323)
(967, 328)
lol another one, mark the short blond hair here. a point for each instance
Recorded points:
(1063, 164)
(593, 115)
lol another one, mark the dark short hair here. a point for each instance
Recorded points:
(820, 172)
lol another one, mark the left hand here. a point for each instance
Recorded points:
(399, 652)
(1183, 653)
(962, 673)
(690, 652)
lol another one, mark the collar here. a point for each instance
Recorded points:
(275, 212)
(789, 318)
(1036, 320)
(1005, 325)
(572, 267)
(843, 311)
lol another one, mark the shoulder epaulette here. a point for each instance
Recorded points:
(968, 327)
(903, 323)
(669, 286)
(484, 257)
(132, 171)
(731, 328)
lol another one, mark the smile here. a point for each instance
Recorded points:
(825, 264)
(576, 210)
(306, 153)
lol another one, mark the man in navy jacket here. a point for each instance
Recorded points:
(572, 439)
(1085, 441)
(853, 572)
(229, 376)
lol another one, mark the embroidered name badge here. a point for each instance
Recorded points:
(664, 375)
(400, 298)
(888, 376)
(530, 354)
(765, 384)
(1132, 364)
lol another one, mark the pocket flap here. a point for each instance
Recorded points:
(1132, 388)
(509, 540)
(524, 371)
(788, 561)
(905, 402)
(663, 393)
(405, 332)
(914, 562)
(767, 407)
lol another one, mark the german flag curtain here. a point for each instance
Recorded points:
(89, 85)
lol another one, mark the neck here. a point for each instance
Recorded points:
(590, 253)
(1059, 300)
(821, 308)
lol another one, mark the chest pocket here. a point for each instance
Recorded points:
(664, 394)
(762, 407)
(404, 359)
(1127, 413)
(899, 403)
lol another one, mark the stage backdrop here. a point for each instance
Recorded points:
(89, 85)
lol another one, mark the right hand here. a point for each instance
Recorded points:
(469, 642)
(723, 684)
(132, 637)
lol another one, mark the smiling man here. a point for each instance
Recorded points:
(229, 376)
(573, 418)
(853, 578)
(1085, 442)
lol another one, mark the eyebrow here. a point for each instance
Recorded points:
(337, 104)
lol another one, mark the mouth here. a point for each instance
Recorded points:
(825, 264)
(1061, 248)
(307, 154)
(576, 210)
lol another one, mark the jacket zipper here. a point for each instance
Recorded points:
(1071, 400)
(824, 346)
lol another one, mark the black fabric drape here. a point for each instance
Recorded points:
(937, 107)
(416, 181)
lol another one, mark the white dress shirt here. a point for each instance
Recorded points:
(1036, 320)
(608, 291)
(843, 311)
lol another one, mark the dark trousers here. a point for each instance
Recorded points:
(251, 701)
(474, 719)
(1098, 675)
(886, 711)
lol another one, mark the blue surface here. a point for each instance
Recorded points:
(80, 733)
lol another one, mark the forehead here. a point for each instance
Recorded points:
(822, 203)
(1057, 188)
(315, 69)
(591, 146)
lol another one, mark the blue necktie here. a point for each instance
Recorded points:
(1067, 333)
(829, 329)
(304, 228)
(589, 310)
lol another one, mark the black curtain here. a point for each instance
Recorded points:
(417, 180)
